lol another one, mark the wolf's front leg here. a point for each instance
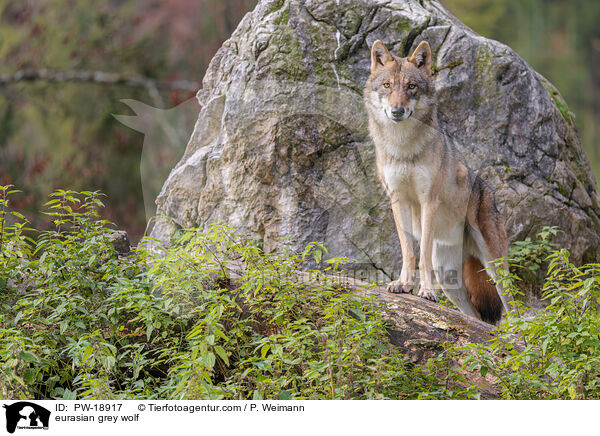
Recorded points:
(428, 213)
(402, 218)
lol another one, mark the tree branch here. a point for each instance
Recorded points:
(100, 77)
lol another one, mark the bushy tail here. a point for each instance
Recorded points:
(482, 293)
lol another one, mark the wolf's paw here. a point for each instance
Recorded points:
(398, 287)
(427, 293)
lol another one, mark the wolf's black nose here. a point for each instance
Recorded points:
(397, 112)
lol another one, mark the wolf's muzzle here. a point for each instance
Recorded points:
(397, 113)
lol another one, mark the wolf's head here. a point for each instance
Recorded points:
(399, 87)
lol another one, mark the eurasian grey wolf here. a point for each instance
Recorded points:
(436, 199)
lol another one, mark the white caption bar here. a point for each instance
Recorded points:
(246, 418)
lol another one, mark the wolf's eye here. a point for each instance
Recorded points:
(412, 86)
(386, 85)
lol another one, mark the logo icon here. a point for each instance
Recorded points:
(26, 415)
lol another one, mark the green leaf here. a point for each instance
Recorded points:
(264, 350)
(285, 395)
(545, 345)
(318, 254)
(87, 353)
(63, 326)
(222, 354)
(209, 359)
(28, 356)
(18, 215)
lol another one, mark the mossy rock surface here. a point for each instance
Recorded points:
(281, 149)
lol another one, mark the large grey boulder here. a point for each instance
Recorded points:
(281, 150)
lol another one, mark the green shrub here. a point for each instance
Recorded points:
(528, 258)
(214, 317)
(80, 321)
(554, 354)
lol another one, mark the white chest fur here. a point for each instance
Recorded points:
(408, 179)
(399, 140)
(396, 176)
(399, 146)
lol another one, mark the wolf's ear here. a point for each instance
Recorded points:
(421, 57)
(379, 55)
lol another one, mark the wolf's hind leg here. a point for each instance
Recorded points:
(448, 264)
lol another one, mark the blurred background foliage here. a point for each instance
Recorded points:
(558, 38)
(64, 135)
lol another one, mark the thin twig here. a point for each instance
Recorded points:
(101, 77)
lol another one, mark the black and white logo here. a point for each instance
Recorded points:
(26, 415)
